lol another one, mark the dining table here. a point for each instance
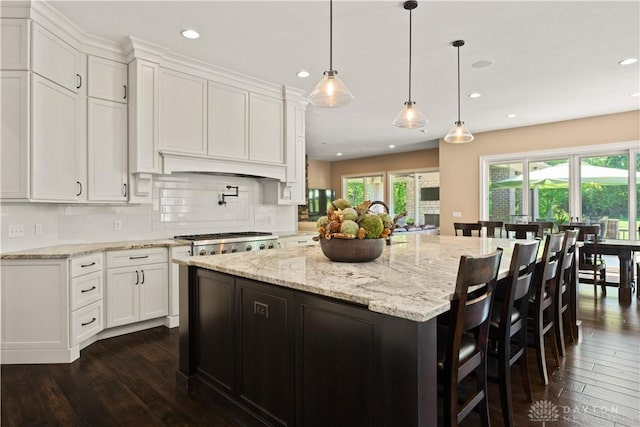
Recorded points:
(624, 250)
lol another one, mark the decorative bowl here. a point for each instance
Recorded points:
(352, 250)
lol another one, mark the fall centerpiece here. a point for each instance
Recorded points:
(353, 233)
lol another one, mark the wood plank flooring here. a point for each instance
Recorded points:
(130, 380)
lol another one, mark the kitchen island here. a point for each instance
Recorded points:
(293, 338)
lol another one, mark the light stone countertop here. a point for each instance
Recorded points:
(71, 250)
(413, 279)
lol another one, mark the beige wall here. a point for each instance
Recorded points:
(392, 162)
(319, 174)
(459, 164)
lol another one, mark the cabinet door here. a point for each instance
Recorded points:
(266, 140)
(57, 150)
(228, 121)
(15, 44)
(215, 357)
(183, 112)
(123, 296)
(107, 145)
(56, 60)
(14, 135)
(265, 354)
(154, 291)
(107, 79)
(143, 117)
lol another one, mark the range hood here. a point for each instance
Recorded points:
(174, 162)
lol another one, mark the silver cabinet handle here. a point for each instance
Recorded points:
(88, 290)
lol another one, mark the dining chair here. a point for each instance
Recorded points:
(540, 320)
(491, 227)
(467, 228)
(562, 311)
(546, 227)
(590, 260)
(521, 231)
(462, 342)
(508, 325)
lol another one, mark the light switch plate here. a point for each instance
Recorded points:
(457, 214)
(117, 225)
(16, 230)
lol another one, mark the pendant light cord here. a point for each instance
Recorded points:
(331, 34)
(458, 83)
(410, 16)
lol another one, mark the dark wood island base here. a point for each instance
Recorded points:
(285, 357)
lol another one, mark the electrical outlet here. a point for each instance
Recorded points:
(38, 229)
(457, 214)
(16, 230)
(117, 225)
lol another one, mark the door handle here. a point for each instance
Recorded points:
(80, 184)
(137, 278)
(79, 81)
(142, 277)
(125, 91)
(125, 189)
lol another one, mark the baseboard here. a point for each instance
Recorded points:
(172, 321)
(24, 356)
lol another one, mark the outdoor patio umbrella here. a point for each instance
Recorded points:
(558, 177)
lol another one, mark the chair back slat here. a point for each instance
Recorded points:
(521, 230)
(551, 259)
(467, 228)
(522, 267)
(491, 227)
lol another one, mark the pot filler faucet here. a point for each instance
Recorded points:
(223, 201)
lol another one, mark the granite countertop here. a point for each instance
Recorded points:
(71, 250)
(413, 279)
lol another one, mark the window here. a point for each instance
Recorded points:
(417, 193)
(585, 184)
(357, 189)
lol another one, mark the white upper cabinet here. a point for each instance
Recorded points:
(58, 145)
(56, 60)
(107, 79)
(228, 121)
(143, 117)
(266, 139)
(14, 135)
(107, 145)
(183, 112)
(14, 37)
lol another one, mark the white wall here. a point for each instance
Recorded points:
(182, 204)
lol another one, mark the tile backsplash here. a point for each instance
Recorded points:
(182, 204)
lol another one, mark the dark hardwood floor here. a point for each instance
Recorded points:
(130, 380)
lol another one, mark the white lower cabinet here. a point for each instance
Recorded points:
(45, 315)
(137, 286)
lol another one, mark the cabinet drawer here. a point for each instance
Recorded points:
(86, 289)
(85, 264)
(136, 257)
(86, 322)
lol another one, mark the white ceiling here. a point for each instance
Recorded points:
(551, 61)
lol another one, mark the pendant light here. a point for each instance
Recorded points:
(330, 91)
(410, 116)
(459, 134)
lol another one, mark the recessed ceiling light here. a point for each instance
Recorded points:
(511, 116)
(482, 64)
(303, 74)
(474, 95)
(628, 61)
(338, 154)
(392, 146)
(635, 94)
(190, 34)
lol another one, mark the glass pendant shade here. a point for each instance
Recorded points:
(458, 134)
(330, 91)
(410, 117)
